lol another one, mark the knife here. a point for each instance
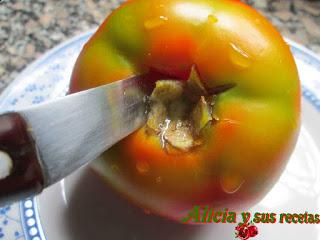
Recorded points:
(42, 144)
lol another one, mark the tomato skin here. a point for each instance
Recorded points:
(229, 43)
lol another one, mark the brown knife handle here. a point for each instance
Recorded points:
(18, 150)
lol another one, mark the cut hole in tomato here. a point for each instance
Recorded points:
(180, 111)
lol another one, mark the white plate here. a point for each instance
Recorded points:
(81, 206)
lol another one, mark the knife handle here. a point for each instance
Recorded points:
(20, 171)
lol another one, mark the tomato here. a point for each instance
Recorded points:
(257, 119)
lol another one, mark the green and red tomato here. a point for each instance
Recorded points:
(229, 44)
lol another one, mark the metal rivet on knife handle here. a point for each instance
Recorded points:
(20, 171)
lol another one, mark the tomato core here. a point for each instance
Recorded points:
(179, 113)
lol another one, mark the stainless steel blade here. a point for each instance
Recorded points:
(71, 131)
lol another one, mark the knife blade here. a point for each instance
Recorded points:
(42, 144)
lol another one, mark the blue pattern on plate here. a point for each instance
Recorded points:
(30, 220)
(7, 218)
(48, 78)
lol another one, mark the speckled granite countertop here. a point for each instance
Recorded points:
(30, 28)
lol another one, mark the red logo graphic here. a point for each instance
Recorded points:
(245, 231)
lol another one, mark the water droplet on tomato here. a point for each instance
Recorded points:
(155, 22)
(212, 19)
(158, 180)
(239, 57)
(231, 183)
(163, 129)
(143, 167)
